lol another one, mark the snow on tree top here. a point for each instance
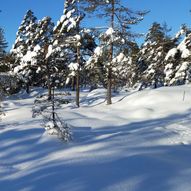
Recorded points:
(109, 31)
(186, 53)
(120, 58)
(50, 49)
(181, 32)
(37, 48)
(171, 53)
(73, 66)
(29, 56)
(183, 47)
(98, 51)
(69, 13)
(183, 66)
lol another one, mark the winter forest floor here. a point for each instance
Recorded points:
(142, 142)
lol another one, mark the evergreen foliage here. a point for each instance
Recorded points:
(76, 56)
(152, 54)
(72, 43)
(3, 44)
(178, 60)
(24, 50)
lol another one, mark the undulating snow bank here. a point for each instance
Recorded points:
(141, 142)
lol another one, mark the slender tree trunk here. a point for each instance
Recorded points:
(109, 76)
(48, 81)
(1, 99)
(109, 84)
(47, 72)
(49, 85)
(78, 78)
(73, 83)
(53, 108)
(78, 69)
(27, 88)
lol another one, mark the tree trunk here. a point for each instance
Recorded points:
(78, 78)
(109, 84)
(49, 85)
(53, 107)
(27, 88)
(109, 76)
(47, 72)
(73, 83)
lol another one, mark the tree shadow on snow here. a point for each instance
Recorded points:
(126, 157)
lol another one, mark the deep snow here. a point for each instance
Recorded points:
(142, 142)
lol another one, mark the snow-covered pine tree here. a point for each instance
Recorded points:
(177, 59)
(172, 60)
(96, 69)
(3, 44)
(3, 55)
(67, 34)
(125, 65)
(25, 36)
(72, 42)
(152, 54)
(43, 39)
(23, 48)
(86, 49)
(120, 18)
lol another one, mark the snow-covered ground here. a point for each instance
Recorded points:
(142, 142)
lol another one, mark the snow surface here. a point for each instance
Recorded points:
(142, 142)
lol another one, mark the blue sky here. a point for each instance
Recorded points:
(173, 12)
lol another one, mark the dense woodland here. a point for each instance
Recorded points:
(68, 55)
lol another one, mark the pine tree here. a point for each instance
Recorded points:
(3, 46)
(25, 35)
(43, 40)
(72, 42)
(3, 55)
(152, 54)
(177, 59)
(120, 19)
(23, 48)
(95, 68)
(126, 66)
(68, 38)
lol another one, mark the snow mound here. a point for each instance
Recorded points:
(141, 142)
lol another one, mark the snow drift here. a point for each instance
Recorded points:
(139, 143)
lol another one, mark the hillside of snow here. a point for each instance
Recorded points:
(142, 142)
